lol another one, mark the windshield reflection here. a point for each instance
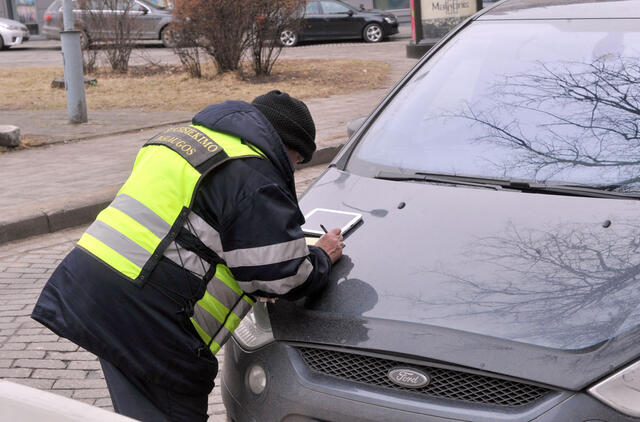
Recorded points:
(587, 119)
(555, 103)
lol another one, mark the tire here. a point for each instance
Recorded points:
(2, 46)
(288, 38)
(373, 33)
(166, 36)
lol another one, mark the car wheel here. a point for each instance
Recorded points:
(167, 37)
(288, 38)
(2, 46)
(372, 33)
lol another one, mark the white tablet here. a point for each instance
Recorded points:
(330, 219)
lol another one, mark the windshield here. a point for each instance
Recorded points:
(554, 102)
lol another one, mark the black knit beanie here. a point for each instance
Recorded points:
(291, 119)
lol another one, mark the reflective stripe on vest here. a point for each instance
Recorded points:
(127, 234)
(220, 310)
(134, 231)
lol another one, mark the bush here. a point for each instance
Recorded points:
(227, 29)
(271, 18)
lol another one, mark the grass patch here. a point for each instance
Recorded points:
(167, 88)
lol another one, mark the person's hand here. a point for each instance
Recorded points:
(332, 243)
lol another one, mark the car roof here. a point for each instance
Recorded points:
(563, 9)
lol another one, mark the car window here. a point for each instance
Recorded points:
(312, 8)
(137, 7)
(57, 4)
(544, 101)
(331, 7)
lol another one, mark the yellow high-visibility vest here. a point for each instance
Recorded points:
(132, 233)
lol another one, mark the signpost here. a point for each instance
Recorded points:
(73, 74)
(432, 19)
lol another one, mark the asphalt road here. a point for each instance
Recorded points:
(47, 53)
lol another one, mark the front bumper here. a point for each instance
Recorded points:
(14, 36)
(295, 393)
(390, 28)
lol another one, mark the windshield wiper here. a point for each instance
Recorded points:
(436, 178)
(498, 184)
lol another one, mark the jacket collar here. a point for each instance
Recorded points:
(243, 120)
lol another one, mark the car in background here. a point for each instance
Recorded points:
(337, 20)
(151, 21)
(495, 275)
(12, 33)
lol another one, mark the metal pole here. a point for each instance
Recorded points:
(73, 75)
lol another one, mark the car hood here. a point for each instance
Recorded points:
(480, 278)
(11, 22)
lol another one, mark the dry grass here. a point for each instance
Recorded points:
(167, 88)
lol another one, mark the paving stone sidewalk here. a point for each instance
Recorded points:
(32, 355)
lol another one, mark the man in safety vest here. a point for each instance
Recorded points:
(207, 223)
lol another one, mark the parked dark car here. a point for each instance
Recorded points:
(151, 21)
(496, 273)
(335, 20)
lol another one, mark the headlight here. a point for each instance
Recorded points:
(621, 390)
(388, 19)
(255, 329)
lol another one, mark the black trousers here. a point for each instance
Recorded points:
(148, 402)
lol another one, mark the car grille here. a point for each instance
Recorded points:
(445, 383)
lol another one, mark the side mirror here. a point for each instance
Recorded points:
(354, 125)
(350, 12)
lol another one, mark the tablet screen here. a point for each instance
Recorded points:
(329, 219)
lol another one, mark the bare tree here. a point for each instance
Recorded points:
(186, 45)
(588, 116)
(221, 28)
(271, 18)
(114, 25)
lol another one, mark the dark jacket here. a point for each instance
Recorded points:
(145, 330)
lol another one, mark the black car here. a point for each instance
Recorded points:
(495, 275)
(334, 20)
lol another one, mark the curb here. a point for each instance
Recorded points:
(73, 213)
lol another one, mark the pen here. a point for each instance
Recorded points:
(323, 228)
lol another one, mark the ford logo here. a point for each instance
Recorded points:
(409, 378)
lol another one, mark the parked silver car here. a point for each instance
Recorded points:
(12, 33)
(152, 21)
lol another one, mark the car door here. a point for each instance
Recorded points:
(313, 22)
(146, 21)
(339, 19)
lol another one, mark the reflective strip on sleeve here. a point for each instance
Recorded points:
(222, 336)
(119, 243)
(266, 255)
(207, 234)
(224, 274)
(213, 306)
(221, 291)
(141, 213)
(187, 259)
(281, 286)
(113, 258)
(206, 321)
(213, 346)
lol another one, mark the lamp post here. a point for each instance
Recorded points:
(432, 19)
(73, 74)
